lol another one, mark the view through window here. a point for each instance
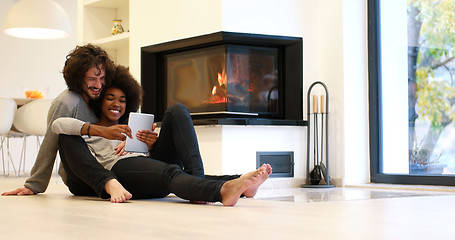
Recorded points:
(416, 77)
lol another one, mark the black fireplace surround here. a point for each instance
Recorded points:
(226, 78)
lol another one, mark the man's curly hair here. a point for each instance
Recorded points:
(124, 81)
(80, 60)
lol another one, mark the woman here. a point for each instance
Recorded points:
(179, 169)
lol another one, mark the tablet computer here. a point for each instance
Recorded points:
(138, 121)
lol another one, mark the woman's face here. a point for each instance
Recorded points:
(113, 105)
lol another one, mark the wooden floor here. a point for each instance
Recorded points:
(338, 213)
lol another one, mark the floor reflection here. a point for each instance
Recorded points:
(337, 194)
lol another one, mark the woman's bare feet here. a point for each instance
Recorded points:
(252, 190)
(231, 190)
(117, 192)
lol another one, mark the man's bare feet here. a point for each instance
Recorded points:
(252, 190)
(231, 190)
(117, 192)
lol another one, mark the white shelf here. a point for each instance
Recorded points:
(113, 42)
(96, 21)
(106, 3)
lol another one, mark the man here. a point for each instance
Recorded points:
(88, 69)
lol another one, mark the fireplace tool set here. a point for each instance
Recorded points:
(318, 125)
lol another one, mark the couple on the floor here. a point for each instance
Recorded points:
(99, 97)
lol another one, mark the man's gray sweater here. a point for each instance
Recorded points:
(67, 104)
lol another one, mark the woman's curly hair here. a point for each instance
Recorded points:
(80, 60)
(124, 81)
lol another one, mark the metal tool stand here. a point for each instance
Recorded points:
(320, 145)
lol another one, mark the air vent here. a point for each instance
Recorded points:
(281, 162)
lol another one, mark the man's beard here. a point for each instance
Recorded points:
(92, 96)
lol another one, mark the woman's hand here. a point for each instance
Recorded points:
(149, 137)
(116, 132)
(120, 149)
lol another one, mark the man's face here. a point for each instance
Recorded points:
(94, 81)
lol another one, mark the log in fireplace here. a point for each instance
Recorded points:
(226, 78)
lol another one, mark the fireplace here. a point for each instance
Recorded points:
(226, 77)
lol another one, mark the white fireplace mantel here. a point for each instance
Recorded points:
(229, 149)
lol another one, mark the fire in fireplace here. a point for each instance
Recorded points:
(225, 75)
(225, 79)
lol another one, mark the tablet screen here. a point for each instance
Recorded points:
(138, 121)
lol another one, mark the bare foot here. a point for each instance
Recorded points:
(231, 190)
(117, 192)
(252, 190)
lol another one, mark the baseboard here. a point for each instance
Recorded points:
(294, 182)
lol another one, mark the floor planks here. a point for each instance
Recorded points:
(339, 213)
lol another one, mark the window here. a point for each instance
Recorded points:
(412, 91)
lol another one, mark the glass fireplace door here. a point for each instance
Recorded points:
(224, 79)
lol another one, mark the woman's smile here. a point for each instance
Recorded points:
(113, 105)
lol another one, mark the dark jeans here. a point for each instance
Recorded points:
(149, 178)
(86, 176)
(175, 165)
(177, 142)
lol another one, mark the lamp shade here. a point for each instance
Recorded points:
(37, 19)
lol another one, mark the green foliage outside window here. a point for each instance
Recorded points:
(431, 34)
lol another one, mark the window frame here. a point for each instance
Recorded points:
(375, 111)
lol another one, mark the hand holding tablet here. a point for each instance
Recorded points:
(138, 121)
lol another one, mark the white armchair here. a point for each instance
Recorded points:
(7, 108)
(31, 119)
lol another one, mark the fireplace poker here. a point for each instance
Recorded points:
(315, 129)
(323, 168)
(322, 127)
(315, 175)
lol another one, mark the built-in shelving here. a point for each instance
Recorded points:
(96, 21)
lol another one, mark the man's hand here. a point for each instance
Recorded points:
(19, 192)
(116, 132)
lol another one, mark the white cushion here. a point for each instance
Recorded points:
(7, 109)
(32, 117)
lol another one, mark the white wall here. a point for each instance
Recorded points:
(33, 63)
(335, 53)
(271, 17)
(323, 62)
(355, 92)
(156, 21)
